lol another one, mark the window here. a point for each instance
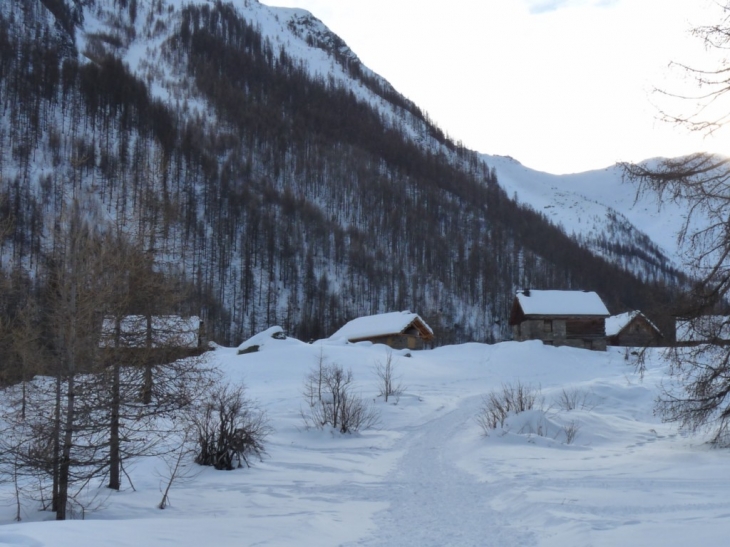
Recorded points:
(547, 325)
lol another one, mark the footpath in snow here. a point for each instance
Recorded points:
(431, 502)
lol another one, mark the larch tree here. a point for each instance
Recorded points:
(698, 397)
(103, 400)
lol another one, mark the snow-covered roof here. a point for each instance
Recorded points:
(167, 331)
(380, 325)
(703, 329)
(538, 302)
(271, 337)
(616, 323)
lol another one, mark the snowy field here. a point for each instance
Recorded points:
(428, 476)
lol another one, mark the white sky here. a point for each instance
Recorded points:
(561, 85)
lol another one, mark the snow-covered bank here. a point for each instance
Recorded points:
(428, 475)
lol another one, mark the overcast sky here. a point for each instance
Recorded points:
(560, 85)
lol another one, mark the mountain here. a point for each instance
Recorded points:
(604, 213)
(265, 169)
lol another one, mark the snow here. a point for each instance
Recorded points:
(599, 205)
(615, 323)
(428, 475)
(378, 325)
(538, 302)
(273, 336)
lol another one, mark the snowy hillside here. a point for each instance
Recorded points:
(602, 211)
(321, 53)
(427, 475)
(272, 174)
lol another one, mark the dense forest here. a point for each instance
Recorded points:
(263, 193)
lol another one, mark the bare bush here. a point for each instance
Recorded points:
(571, 431)
(574, 399)
(492, 413)
(230, 429)
(389, 383)
(330, 401)
(511, 399)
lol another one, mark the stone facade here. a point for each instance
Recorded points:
(574, 332)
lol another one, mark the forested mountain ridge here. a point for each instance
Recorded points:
(265, 169)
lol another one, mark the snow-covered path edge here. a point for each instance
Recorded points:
(431, 501)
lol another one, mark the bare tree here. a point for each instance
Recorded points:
(698, 394)
(178, 463)
(102, 406)
(27, 346)
(314, 381)
(704, 108)
(74, 318)
(389, 383)
(147, 372)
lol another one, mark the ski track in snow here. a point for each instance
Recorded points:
(434, 503)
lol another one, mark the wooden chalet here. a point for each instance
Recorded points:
(632, 329)
(560, 318)
(399, 330)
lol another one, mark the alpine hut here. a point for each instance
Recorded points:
(399, 330)
(560, 318)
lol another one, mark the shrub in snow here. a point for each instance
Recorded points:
(498, 405)
(330, 401)
(541, 423)
(519, 409)
(570, 430)
(230, 429)
(574, 399)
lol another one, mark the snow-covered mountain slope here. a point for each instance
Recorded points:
(143, 46)
(596, 208)
(261, 162)
(427, 475)
(603, 211)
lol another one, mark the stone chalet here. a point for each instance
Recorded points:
(560, 318)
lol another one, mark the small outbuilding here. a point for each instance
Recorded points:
(632, 329)
(399, 330)
(560, 318)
